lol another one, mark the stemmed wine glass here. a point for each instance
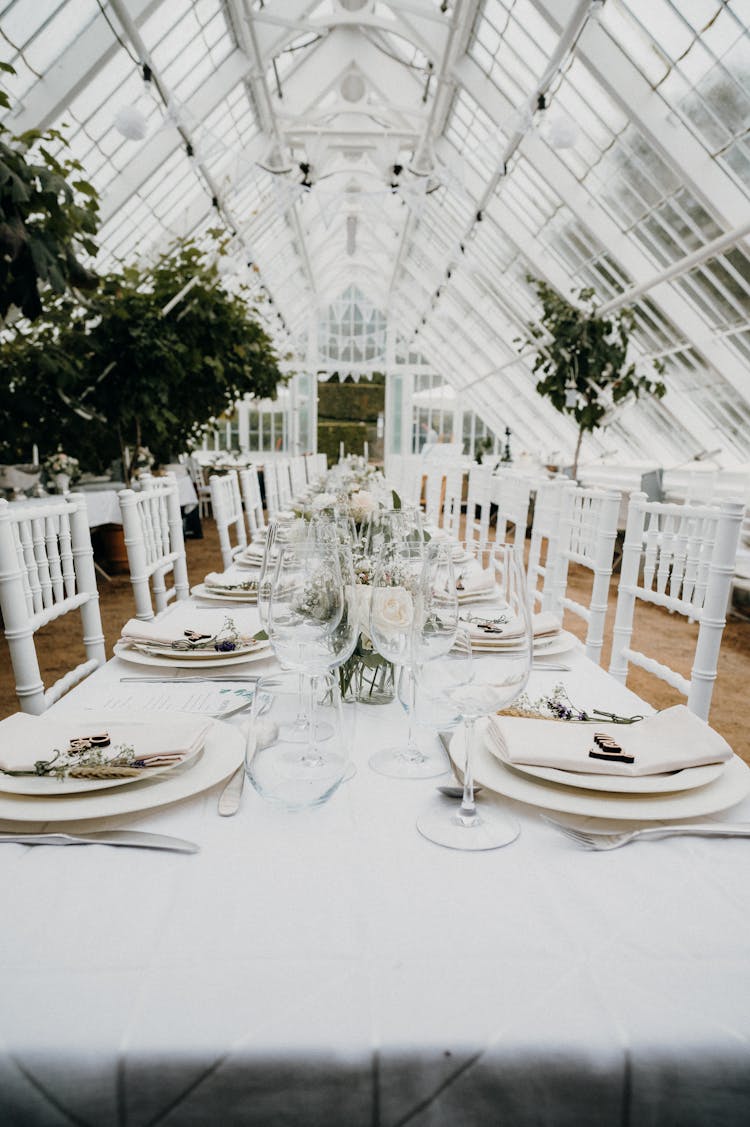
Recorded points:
(480, 682)
(305, 608)
(413, 618)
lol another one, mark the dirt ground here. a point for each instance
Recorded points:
(59, 644)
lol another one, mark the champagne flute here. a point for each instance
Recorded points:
(480, 683)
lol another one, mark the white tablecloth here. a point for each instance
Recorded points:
(335, 968)
(103, 506)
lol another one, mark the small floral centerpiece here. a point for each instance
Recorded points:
(62, 469)
(143, 461)
(60, 462)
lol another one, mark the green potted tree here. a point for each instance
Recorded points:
(144, 363)
(48, 217)
(582, 360)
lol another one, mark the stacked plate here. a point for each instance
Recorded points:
(494, 634)
(183, 639)
(691, 792)
(232, 586)
(208, 751)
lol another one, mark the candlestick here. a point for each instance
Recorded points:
(35, 454)
(366, 451)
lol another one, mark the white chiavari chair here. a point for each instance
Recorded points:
(478, 498)
(545, 536)
(227, 506)
(270, 485)
(587, 532)
(198, 475)
(298, 475)
(439, 480)
(47, 570)
(152, 524)
(283, 483)
(453, 500)
(253, 502)
(321, 464)
(680, 557)
(511, 496)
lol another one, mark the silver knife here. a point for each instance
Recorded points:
(133, 838)
(192, 680)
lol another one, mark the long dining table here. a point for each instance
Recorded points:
(334, 967)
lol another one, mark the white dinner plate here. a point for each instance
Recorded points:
(222, 754)
(222, 596)
(198, 654)
(688, 779)
(182, 661)
(732, 785)
(46, 786)
(558, 644)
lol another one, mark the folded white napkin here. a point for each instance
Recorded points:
(670, 741)
(543, 625)
(230, 582)
(25, 739)
(473, 580)
(171, 627)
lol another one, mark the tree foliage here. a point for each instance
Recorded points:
(48, 217)
(126, 370)
(582, 359)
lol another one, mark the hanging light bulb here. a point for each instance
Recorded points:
(571, 394)
(131, 122)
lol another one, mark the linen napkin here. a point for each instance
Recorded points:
(159, 741)
(171, 627)
(473, 581)
(544, 625)
(218, 580)
(670, 741)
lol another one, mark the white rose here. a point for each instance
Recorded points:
(392, 609)
(324, 501)
(361, 505)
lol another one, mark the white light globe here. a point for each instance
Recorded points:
(131, 122)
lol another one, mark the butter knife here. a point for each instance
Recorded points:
(229, 799)
(133, 838)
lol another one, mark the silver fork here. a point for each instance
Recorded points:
(601, 841)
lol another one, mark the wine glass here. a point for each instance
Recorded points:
(273, 762)
(481, 681)
(413, 618)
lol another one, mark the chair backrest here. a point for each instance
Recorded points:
(227, 506)
(297, 474)
(252, 500)
(478, 503)
(47, 570)
(152, 523)
(317, 465)
(510, 495)
(271, 487)
(545, 537)
(587, 532)
(434, 472)
(681, 558)
(283, 482)
(453, 499)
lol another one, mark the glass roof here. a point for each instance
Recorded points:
(416, 160)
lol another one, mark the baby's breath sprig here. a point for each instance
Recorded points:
(557, 705)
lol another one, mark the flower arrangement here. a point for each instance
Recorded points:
(60, 462)
(142, 460)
